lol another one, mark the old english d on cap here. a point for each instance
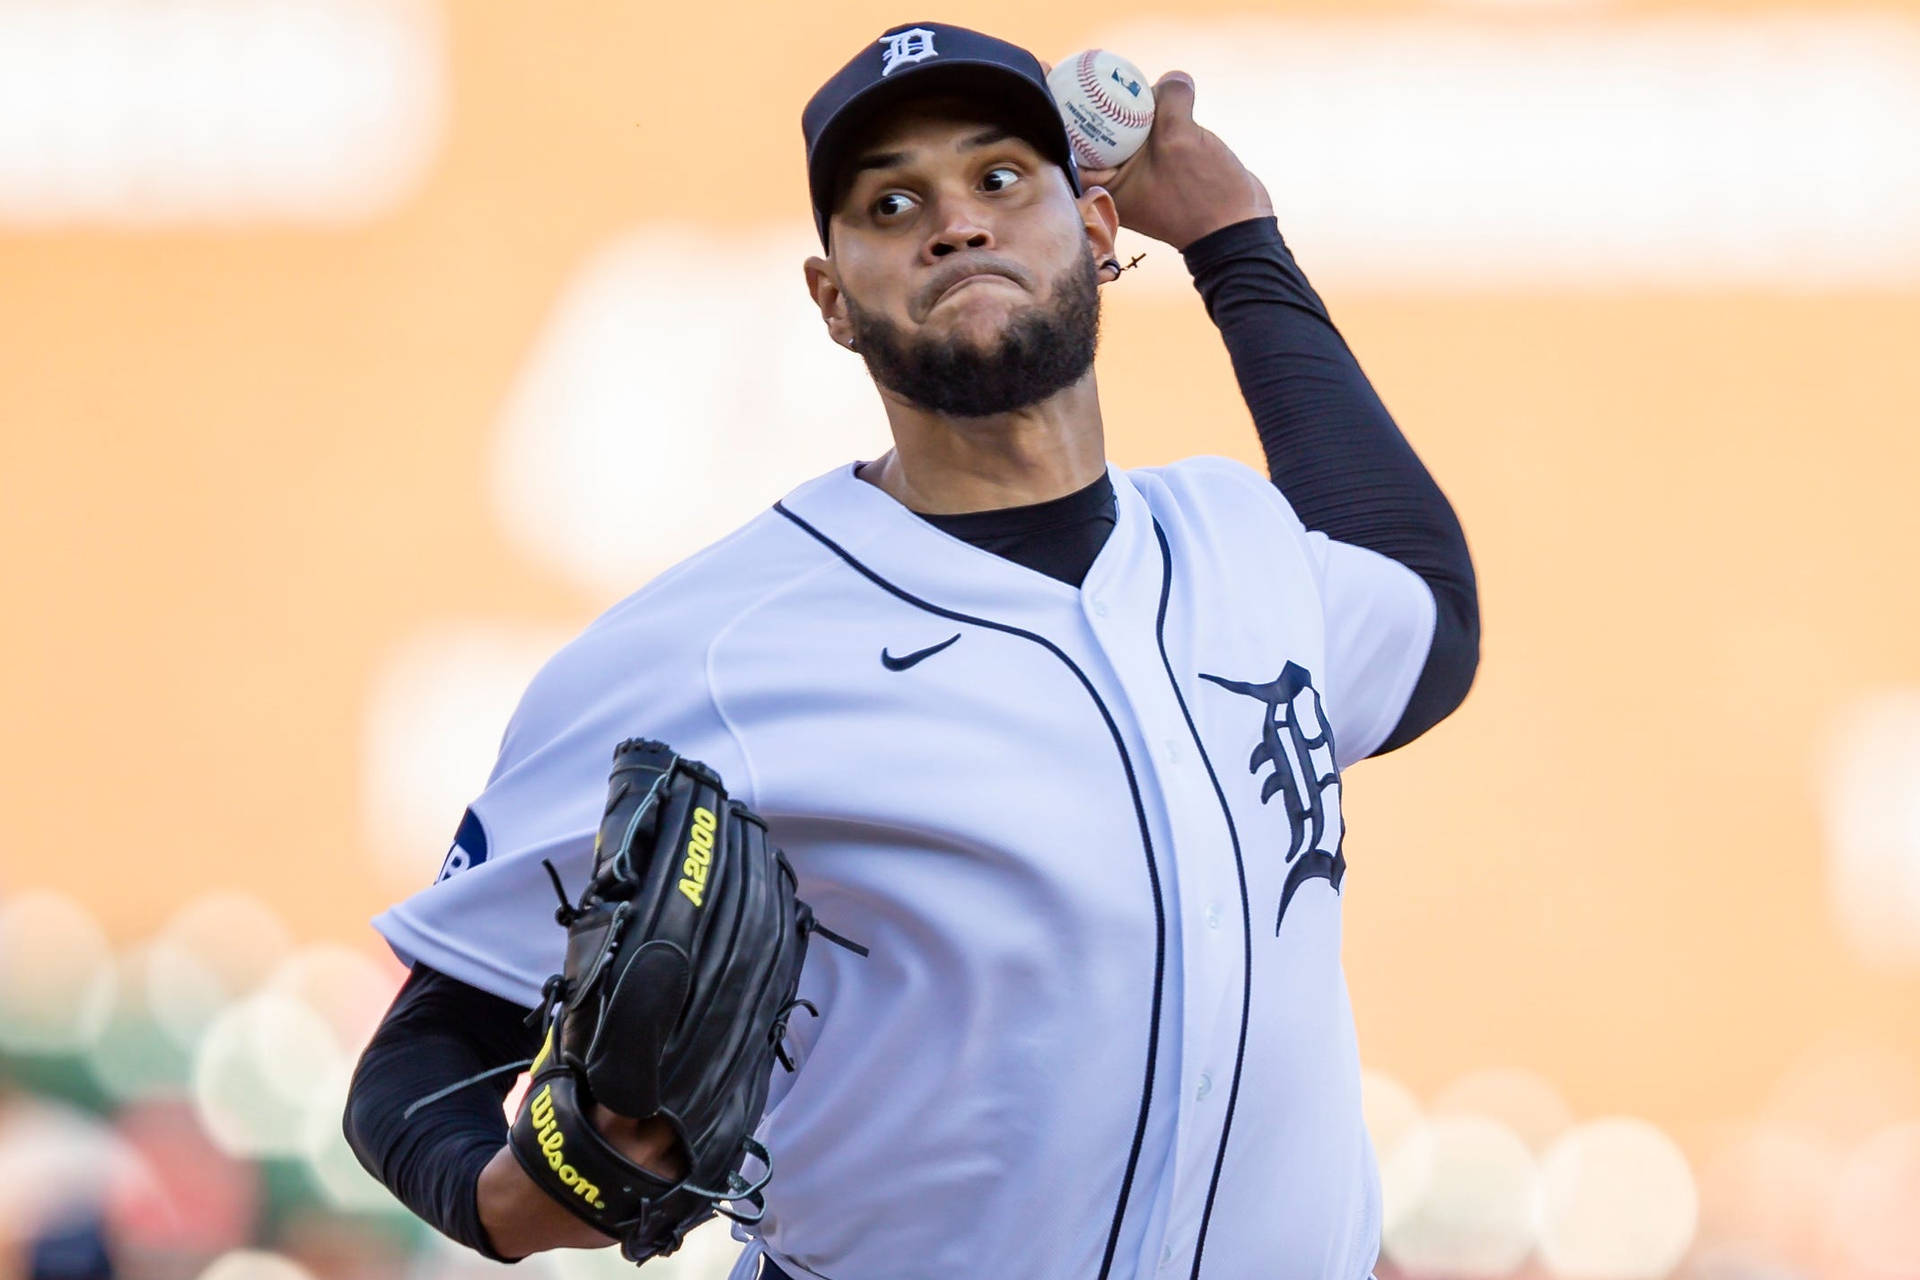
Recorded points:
(916, 60)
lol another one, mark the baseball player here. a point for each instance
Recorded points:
(1056, 748)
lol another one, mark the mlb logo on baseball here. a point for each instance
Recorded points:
(1106, 105)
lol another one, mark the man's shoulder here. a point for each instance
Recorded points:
(1210, 488)
(650, 649)
(707, 589)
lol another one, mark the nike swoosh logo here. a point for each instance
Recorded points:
(892, 663)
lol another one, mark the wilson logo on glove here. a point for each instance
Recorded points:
(693, 871)
(553, 1144)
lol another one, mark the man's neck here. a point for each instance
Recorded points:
(944, 466)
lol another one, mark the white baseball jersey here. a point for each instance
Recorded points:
(1090, 838)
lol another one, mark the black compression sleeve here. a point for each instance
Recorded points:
(1333, 448)
(438, 1030)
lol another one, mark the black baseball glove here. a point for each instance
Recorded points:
(683, 955)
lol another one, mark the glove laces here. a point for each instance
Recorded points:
(778, 1031)
(741, 1190)
(458, 1085)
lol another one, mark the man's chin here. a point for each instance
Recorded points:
(988, 349)
(978, 325)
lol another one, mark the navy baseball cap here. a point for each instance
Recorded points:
(917, 59)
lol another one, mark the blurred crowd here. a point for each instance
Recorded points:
(170, 1111)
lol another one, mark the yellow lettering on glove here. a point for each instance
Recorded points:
(553, 1144)
(693, 872)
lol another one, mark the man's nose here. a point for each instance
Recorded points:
(960, 227)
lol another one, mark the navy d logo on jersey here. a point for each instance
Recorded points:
(1296, 742)
(469, 847)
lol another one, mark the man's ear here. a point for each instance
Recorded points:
(832, 303)
(1102, 221)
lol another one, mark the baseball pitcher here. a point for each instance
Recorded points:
(941, 875)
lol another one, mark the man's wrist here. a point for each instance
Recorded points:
(1255, 232)
(518, 1216)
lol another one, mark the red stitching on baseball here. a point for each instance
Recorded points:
(1091, 86)
(1084, 154)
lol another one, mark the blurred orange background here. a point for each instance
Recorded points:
(254, 473)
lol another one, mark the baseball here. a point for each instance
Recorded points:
(1106, 103)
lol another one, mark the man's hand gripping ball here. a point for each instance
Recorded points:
(1185, 182)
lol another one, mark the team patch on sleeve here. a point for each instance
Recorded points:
(469, 847)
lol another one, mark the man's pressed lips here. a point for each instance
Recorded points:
(964, 281)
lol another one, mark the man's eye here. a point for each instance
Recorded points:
(1000, 178)
(892, 205)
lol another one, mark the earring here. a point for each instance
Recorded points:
(1113, 265)
(851, 346)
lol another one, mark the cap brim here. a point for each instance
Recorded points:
(1005, 94)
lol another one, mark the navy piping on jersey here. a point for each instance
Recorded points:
(771, 1270)
(1140, 814)
(1246, 909)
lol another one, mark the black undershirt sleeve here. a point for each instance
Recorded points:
(1333, 448)
(439, 1030)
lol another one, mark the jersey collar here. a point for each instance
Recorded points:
(915, 556)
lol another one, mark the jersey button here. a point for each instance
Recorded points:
(1166, 1254)
(1206, 1087)
(1213, 917)
(1099, 608)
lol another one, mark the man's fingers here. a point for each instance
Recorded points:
(1173, 96)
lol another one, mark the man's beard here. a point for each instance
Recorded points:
(1042, 351)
